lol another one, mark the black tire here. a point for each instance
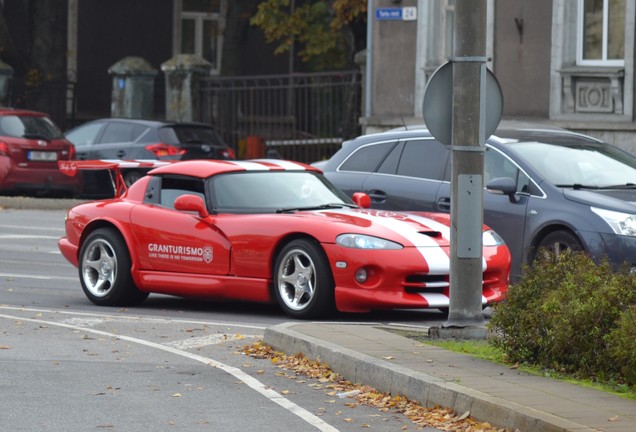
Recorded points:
(132, 176)
(104, 270)
(303, 282)
(557, 242)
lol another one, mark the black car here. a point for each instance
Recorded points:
(545, 187)
(131, 139)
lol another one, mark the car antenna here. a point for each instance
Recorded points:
(404, 123)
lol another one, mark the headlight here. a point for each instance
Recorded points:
(621, 223)
(491, 238)
(360, 241)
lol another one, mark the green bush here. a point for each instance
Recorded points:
(622, 342)
(561, 314)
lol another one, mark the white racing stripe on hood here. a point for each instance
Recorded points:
(445, 230)
(437, 260)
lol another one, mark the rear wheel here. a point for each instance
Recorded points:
(104, 270)
(558, 242)
(303, 282)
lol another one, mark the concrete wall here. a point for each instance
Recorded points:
(522, 56)
(393, 64)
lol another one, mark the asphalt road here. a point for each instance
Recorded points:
(170, 364)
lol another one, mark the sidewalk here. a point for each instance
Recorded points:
(504, 397)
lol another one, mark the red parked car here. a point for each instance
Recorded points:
(30, 147)
(263, 231)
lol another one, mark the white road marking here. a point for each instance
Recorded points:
(252, 382)
(109, 317)
(27, 236)
(30, 228)
(26, 276)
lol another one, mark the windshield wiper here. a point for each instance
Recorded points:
(35, 136)
(582, 186)
(620, 186)
(576, 186)
(316, 207)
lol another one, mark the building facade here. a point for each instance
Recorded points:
(569, 63)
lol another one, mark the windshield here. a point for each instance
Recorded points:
(273, 190)
(29, 127)
(574, 164)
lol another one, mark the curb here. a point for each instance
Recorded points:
(425, 389)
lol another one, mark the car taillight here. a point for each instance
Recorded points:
(161, 150)
(71, 153)
(228, 154)
(4, 149)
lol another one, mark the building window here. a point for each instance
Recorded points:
(601, 39)
(202, 30)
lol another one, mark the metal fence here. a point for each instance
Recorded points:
(56, 98)
(303, 117)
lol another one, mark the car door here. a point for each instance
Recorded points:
(169, 240)
(508, 215)
(410, 177)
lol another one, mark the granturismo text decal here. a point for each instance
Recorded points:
(180, 252)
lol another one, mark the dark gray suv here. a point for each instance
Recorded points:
(546, 187)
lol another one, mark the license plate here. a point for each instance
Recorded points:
(42, 156)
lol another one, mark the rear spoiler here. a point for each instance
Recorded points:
(114, 166)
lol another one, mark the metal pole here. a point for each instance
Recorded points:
(467, 166)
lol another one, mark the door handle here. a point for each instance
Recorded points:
(444, 204)
(121, 154)
(377, 196)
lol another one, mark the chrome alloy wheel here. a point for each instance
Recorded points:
(99, 267)
(296, 279)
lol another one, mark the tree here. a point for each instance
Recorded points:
(237, 19)
(33, 42)
(326, 33)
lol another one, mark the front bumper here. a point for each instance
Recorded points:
(401, 279)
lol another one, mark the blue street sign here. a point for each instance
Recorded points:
(388, 13)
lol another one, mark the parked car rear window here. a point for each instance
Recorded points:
(29, 127)
(122, 132)
(189, 134)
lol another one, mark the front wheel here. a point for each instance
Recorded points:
(558, 242)
(104, 270)
(303, 282)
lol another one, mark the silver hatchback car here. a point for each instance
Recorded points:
(545, 187)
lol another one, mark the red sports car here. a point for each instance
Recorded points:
(262, 231)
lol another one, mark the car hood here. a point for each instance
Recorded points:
(615, 199)
(413, 229)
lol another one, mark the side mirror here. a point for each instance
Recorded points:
(503, 186)
(191, 203)
(362, 200)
